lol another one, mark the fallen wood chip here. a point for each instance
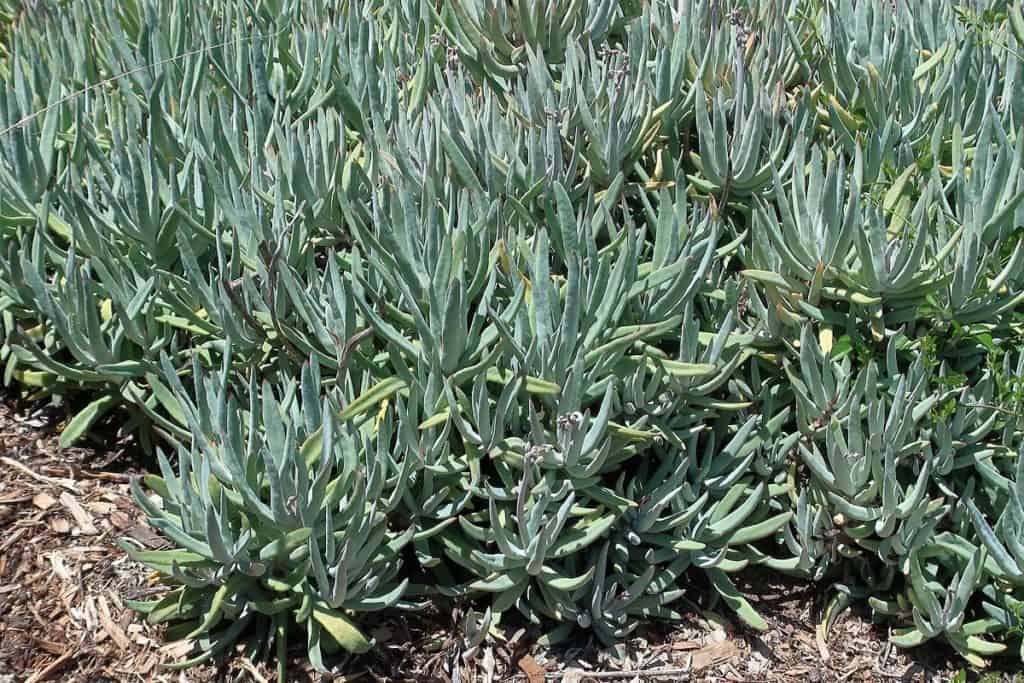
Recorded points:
(51, 647)
(144, 667)
(89, 613)
(82, 518)
(713, 654)
(60, 568)
(177, 650)
(120, 520)
(534, 671)
(43, 501)
(110, 626)
(100, 508)
(12, 538)
(137, 633)
(819, 639)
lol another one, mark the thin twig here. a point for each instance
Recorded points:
(272, 279)
(350, 344)
(53, 667)
(239, 306)
(107, 476)
(64, 483)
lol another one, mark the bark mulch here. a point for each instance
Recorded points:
(64, 582)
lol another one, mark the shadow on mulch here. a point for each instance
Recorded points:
(64, 582)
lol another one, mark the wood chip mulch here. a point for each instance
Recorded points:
(64, 583)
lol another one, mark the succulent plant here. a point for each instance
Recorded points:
(281, 516)
(567, 310)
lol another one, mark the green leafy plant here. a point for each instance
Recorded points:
(565, 312)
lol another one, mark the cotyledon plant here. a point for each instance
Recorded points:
(281, 516)
(734, 166)
(1004, 542)
(866, 438)
(573, 308)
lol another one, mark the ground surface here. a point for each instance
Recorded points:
(63, 583)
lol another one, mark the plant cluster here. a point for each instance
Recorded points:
(570, 308)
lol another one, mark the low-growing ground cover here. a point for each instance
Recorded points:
(64, 582)
(565, 314)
